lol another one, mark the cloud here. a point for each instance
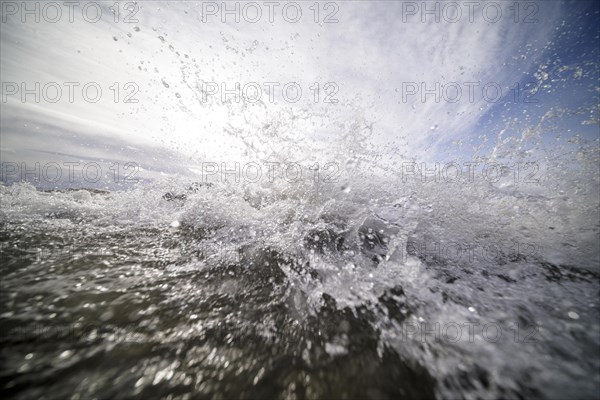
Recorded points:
(374, 50)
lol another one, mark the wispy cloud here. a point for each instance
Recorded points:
(370, 54)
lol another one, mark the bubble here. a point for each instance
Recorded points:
(345, 188)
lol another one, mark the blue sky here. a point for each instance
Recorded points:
(573, 85)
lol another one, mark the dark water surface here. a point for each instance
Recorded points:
(108, 296)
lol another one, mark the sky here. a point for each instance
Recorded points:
(152, 61)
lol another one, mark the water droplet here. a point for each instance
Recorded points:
(471, 309)
(345, 188)
(65, 354)
(573, 315)
(175, 224)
